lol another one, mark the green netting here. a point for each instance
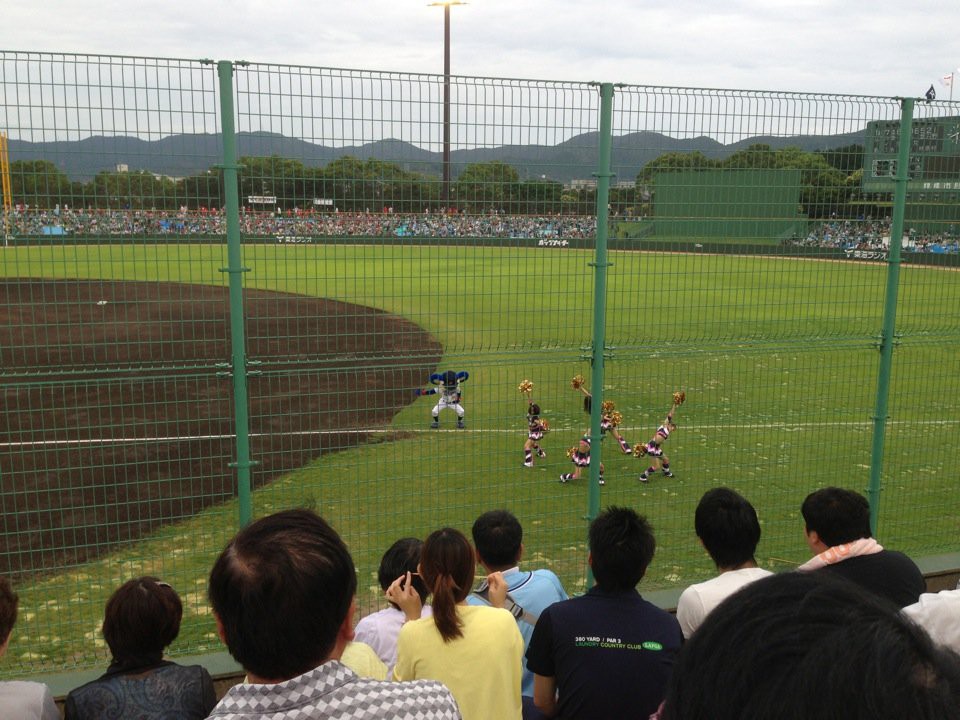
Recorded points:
(165, 375)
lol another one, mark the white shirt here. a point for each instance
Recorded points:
(938, 614)
(379, 630)
(698, 600)
(21, 700)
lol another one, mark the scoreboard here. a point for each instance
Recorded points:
(934, 156)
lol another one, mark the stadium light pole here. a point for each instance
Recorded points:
(445, 190)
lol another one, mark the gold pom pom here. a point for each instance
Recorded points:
(577, 382)
(545, 424)
(679, 397)
(525, 387)
(570, 452)
(607, 407)
(639, 450)
(615, 418)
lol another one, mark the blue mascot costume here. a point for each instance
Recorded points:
(448, 386)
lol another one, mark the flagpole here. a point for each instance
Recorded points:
(948, 80)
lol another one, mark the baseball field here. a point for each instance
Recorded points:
(118, 432)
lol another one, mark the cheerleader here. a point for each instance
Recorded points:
(536, 427)
(654, 448)
(580, 456)
(610, 418)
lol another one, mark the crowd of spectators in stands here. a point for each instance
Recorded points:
(851, 633)
(860, 234)
(873, 234)
(293, 223)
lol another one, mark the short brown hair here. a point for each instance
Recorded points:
(141, 618)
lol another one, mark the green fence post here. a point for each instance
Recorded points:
(600, 265)
(887, 333)
(235, 269)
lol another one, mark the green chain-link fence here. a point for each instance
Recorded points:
(223, 286)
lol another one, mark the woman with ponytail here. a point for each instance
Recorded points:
(475, 650)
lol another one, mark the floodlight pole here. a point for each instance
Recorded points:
(446, 105)
(445, 189)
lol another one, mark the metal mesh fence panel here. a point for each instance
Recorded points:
(748, 235)
(487, 277)
(117, 423)
(774, 334)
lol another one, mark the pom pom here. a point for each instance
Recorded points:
(525, 387)
(607, 407)
(545, 425)
(570, 452)
(615, 418)
(639, 450)
(679, 397)
(577, 382)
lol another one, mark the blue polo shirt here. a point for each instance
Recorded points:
(534, 591)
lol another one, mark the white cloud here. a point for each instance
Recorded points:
(883, 47)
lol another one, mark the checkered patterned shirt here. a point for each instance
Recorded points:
(334, 691)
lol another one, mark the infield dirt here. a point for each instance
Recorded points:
(118, 403)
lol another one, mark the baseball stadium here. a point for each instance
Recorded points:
(229, 289)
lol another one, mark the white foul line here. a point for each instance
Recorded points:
(401, 431)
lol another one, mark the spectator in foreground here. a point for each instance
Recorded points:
(796, 646)
(20, 699)
(379, 630)
(282, 593)
(607, 654)
(141, 619)
(498, 538)
(838, 534)
(475, 651)
(729, 530)
(938, 614)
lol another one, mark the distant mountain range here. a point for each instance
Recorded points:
(184, 155)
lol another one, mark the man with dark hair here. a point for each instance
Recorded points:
(795, 646)
(20, 698)
(729, 530)
(498, 539)
(282, 593)
(838, 533)
(609, 653)
(379, 630)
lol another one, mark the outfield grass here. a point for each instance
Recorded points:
(776, 355)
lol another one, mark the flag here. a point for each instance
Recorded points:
(931, 94)
(947, 80)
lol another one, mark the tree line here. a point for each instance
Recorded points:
(830, 182)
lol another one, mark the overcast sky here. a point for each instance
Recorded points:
(877, 47)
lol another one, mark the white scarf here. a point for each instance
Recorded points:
(839, 553)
